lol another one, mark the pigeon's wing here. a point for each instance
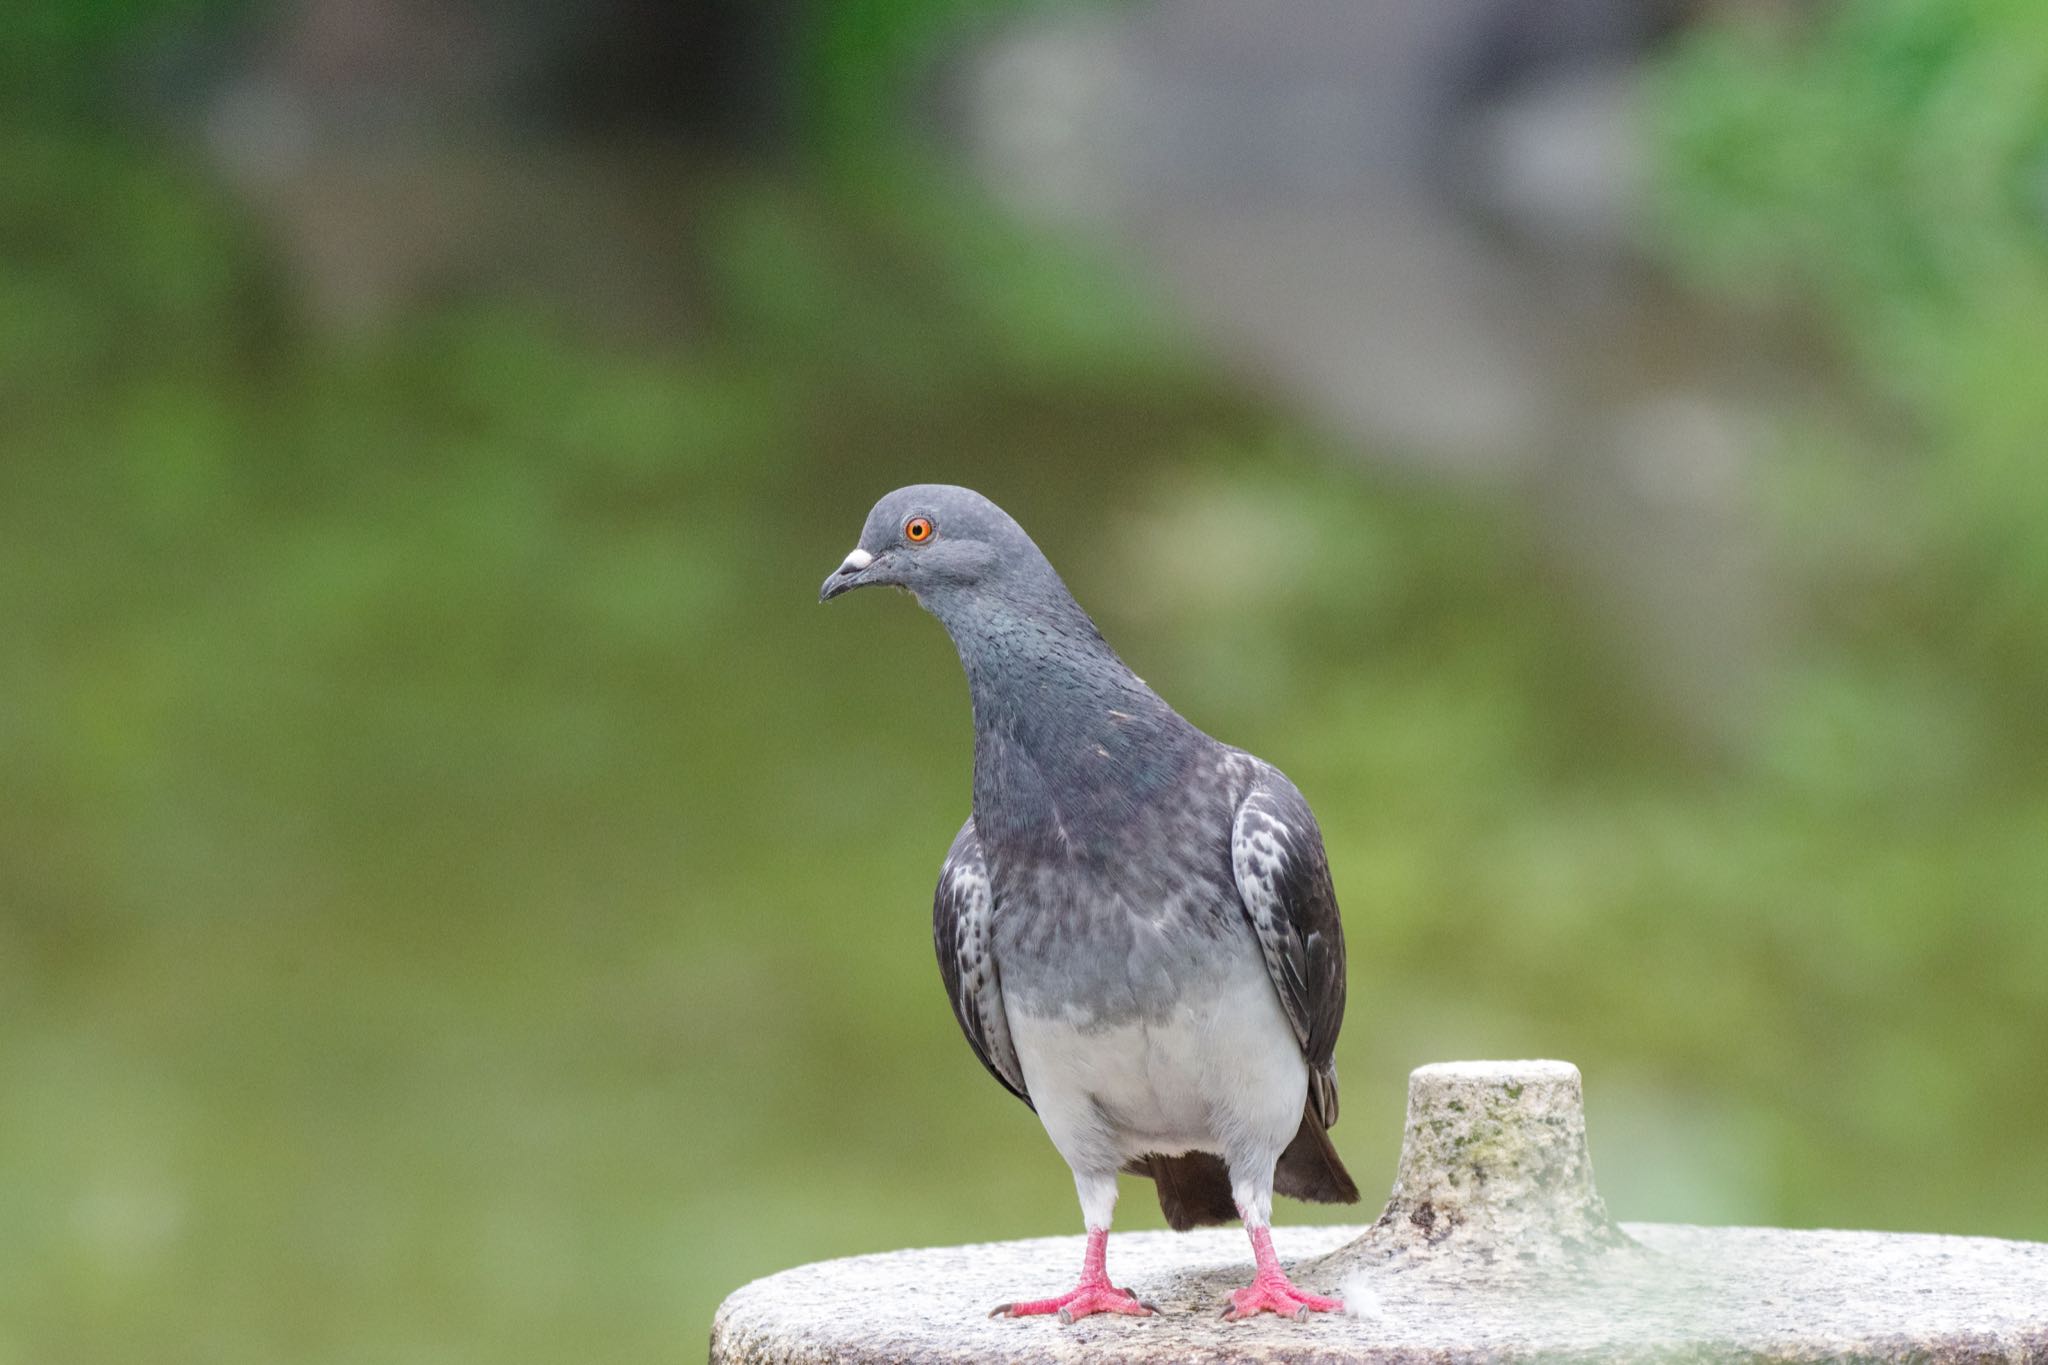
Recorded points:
(963, 925)
(1283, 881)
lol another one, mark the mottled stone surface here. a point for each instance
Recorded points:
(1493, 1165)
(1494, 1246)
(1681, 1293)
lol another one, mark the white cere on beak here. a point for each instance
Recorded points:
(856, 561)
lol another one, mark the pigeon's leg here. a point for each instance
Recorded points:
(1095, 1294)
(1270, 1290)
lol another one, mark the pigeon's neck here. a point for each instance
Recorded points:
(1036, 663)
(1066, 737)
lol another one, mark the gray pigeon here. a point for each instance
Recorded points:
(1136, 927)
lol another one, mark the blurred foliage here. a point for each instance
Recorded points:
(67, 58)
(1880, 168)
(1890, 164)
(860, 58)
(463, 900)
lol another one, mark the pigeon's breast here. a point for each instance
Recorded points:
(1114, 909)
(1107, 943)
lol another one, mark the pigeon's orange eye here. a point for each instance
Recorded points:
(917, 530)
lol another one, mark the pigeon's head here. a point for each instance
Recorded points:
(935, 540)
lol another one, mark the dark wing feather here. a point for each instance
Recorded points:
(963, 933)
(1283, 882)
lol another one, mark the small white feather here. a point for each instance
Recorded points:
(1361, 1296)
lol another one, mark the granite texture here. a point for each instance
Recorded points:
(1494, 1247)
(1681, 1293)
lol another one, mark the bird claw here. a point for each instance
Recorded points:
(1080, 1302)
(1272, 1292)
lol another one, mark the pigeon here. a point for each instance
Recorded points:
(1136, 925)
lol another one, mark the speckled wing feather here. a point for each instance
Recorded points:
(1283, 881)
(963, 921)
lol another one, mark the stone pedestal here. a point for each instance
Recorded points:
(1493, 1246)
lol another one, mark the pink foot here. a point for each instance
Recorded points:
(1095, 1294)
(1078, 1303)
(1273, 1292)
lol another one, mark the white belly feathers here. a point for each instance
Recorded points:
(1226, 1077)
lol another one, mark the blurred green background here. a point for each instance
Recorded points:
(462, 900)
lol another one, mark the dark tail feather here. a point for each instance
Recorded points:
(1309, 1168)
(1193, 1189)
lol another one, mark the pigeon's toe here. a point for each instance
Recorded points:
(1272, 1292)
(1079, 1303)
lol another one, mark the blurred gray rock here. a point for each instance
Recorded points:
(1417, 223)
(404, 153)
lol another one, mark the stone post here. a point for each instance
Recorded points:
(1493, 1162)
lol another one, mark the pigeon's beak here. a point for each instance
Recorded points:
(847, 576)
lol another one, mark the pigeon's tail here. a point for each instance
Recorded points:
(1195, 1189)
(1310, 1169)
